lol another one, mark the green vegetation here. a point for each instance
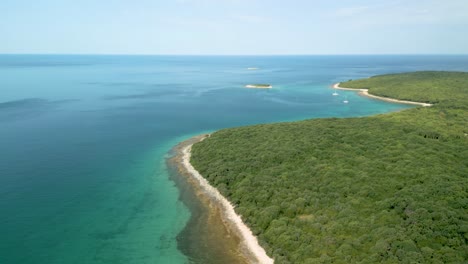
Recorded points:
(260, 85)
(426, 87)
(390, 188)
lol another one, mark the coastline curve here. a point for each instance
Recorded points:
(249, 242)
(365, 92)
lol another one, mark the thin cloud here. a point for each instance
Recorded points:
(350, 11)
(250, 18)
(428, 12)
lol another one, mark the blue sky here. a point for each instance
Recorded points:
(234, 27)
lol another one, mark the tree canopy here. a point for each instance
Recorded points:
(382, 189)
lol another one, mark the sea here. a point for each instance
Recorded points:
(84, 140)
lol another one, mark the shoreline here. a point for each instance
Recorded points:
(248, 245)
(365, 92)
(248, 248)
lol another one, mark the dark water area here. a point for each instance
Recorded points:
(84, 141)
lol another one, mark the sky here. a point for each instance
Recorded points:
(234, 27)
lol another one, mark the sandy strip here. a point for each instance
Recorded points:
(256, 253)
(365, 92)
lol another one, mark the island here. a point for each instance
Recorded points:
(261, 86)
(390, 188)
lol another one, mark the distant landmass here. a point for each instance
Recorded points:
(389, 188)
(261, 86)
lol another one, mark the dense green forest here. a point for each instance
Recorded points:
(426, 87)
(390, 188)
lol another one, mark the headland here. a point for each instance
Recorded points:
(365, 92)
(244, 245)
(378, 189)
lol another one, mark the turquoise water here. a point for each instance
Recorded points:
(83, 140)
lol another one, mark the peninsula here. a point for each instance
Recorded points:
(380, 189)
(365, 92)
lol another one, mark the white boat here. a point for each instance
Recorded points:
(346, 100)
(335, 93)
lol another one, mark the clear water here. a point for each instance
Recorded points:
(83, 140)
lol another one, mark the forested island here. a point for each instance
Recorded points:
(259, 85)
(390, 188)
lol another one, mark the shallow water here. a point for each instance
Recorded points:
(205, 238)
(83, 140)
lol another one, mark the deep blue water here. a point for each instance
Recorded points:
(83, 140)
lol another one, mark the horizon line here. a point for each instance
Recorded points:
(243, 55)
